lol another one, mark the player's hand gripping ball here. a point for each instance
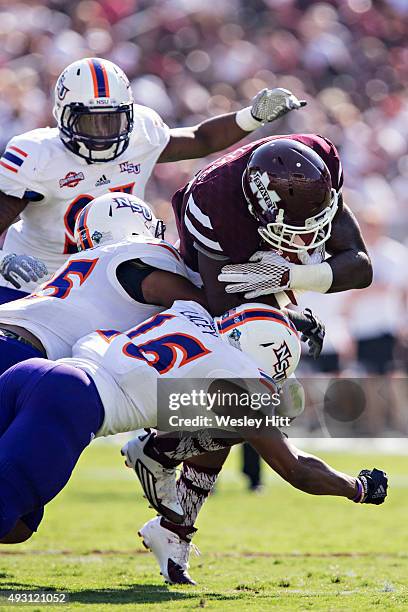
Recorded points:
(266, 272)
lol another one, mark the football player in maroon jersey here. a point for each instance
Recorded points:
(273, 200)
(263, 220)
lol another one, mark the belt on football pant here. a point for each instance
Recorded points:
(10, 334)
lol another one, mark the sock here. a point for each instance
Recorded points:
(172, 450)
(193, 488)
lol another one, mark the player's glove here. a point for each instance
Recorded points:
(266, 272)
(14, 268)
(373, 485)
(314, 336)
(271, 104)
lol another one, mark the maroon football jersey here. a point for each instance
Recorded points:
(211, 210)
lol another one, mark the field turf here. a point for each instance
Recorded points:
(279, 550)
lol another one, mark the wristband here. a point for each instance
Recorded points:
(311, 277)
(246, 121)
(4, 254)
(360, 494)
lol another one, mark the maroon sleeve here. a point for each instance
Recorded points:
(214, 216)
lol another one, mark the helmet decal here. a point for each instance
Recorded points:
(259, 183)
(234, 337)
(99, 78)
(282, 363)
(97, 237)
(61, 89)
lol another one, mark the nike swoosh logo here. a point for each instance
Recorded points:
(267, 344)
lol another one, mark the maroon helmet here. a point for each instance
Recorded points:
(288, 189)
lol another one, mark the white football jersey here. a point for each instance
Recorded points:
(59, 184)
(179, 343)
(85, 294)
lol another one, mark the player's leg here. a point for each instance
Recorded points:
(171, 543)
(206, 452)
(7, 294)
(21, 532)
(28, 524)
(14, 351)
(155, 457)
(56, 412)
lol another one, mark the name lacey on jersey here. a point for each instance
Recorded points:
(36, 165)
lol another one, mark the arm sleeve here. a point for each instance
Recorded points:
(19, 174)
(131, 275)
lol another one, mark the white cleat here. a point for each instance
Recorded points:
(172, 553)
(158, 482)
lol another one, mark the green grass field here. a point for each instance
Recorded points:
(279, 550)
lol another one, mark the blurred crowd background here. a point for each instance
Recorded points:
(190, 59)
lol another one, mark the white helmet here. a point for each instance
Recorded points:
(265, 334)
(114, 217)
(94, 109)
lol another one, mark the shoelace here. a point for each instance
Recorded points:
(183, 551)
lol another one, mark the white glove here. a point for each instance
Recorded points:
(271, 104)
(266, 272)
(22, 267)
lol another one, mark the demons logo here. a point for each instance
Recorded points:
(71, 179)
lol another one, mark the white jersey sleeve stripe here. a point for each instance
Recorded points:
(198, 214)
(212, 244)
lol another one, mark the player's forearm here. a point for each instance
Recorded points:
(316, 477)
(10, 208)
(351, 270)
(164, 288)
(305, 472)
(349, 261)
(219, 133)
(203, 139)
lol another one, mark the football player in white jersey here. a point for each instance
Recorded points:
(103, 142)
(125, 275)
(51, 410)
